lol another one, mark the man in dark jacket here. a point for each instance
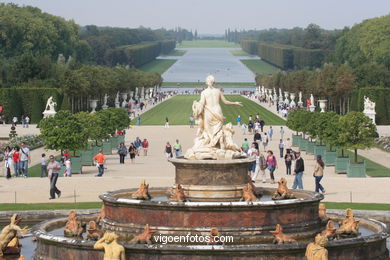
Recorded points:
(257, 138)
(298, 171)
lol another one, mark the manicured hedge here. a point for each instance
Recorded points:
(27, 101)
(380, 96)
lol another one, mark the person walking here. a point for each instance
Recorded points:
(122, 151)
(253, 153)
(8, 161)
(177, 148)
(27, 121)
(168, 150)
(68, 167)
(43, 166)
(138, 144)
(138, 120)
(166, 122)
(54, 168)
(265, 141)
(245, 146)
(298, 171)
(261, 165)
(281, 147)
(271, 165)
(132, 152)
(257, 138)
(270, 132)
(288, 159)
(281, 132)
(145, 146)
(262, 124)
(238, 120)
(319, 173)
(100, 160)
(16, 161)
(25, 159)
(192, 121)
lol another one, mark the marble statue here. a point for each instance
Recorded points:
(8, 234)
(73, 226)
(178, 194)
(105, 106)
(145, 237)
(368, 104)
(349, 227)
(210, 142)
(112, 250)
(280, 237)
(51, 104)
(117, 104)
(93, 233)
(248, 193)
(282, 192)
(311, 100)
(330, 230)
(142, 193)
(316, 250)
(300, 102)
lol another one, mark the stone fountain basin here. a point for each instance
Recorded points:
(365, 247)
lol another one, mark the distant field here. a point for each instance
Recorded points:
(207, 44)
(192, 84)
(175, 53)
(158, 66)
(178, 109)
(240, 53)
(260, 67)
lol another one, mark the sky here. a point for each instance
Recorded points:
(213, 16)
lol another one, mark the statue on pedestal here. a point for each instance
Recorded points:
(73, 226)
(105, 102)
(369, 108)
(312, 107)
(117, 104)
(49, 108)
(214, 140)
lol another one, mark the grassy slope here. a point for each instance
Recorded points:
(207, 44)
(260, 66)
(157, 66)
(179, 109)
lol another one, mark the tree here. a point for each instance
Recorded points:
(93, 125)
(114, 118)
(297, 120)
(64, 131)
(357, 132)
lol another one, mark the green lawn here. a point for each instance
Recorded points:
(361, 206)
(175, 52)
(192, 84)
(240, 53)
(207, 44)
(260, 66)
(158, 65)
(178, 109)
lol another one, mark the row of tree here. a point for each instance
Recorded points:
(351, 131)
(73, 132)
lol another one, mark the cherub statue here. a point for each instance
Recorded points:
(9, 233)
(280, 237)
(349, 226)
(142, 193)
(145, 237)
(282, 192)
(112, 250)
(93, 233)
(316, 250)
(330, 231)
(73, 226)
(322, 212)
(248, 193)
(102, 215)
(178, 194)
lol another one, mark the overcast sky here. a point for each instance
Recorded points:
(214, 16)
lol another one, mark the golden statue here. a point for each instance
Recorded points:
(248, 194)
(93, 233)
(349, 226)
(8, 235)
(214, 233)
(280, 237)
(112, 250)
(322, 212)
(102, 215)
(282, 192)
(178, 194)
(142, 193)
(330, 231)
(145, 237)
(316, 250)
(73, 226)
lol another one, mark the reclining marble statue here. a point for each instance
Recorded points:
(214, 139)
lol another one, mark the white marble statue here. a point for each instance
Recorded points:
(117, 104)
(214, 140)
(49, 108)
(311, 100)
(105, 106)
(300, 103)
(369, 105)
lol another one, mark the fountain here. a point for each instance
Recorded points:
(213, 197)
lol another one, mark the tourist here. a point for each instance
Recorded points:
(257, 138)
(166, 122)
(271, 165)
(265, 141)
(132, 152)
(23, 121)
(145, 146)
(298, 171)
(288, 159)
(262, 124)
(250, 118)
(8, 161)
(270, 132)
(27, 120)
(54, 168)
(138, 144)
(16, 161)
(281, 132)
(281, 147)
(245, 146)
(257, 117)
(100, 160)
(43, 166)
(122, 152)
(138, 120)
(25, 159)
(250, 126)
(243, 128)
(252, 154)
(261, 165)
(177, 148)
(319, 173)
(192, 121)
(68, 168)
(168, 150)
(238, 120)
(14, 120)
